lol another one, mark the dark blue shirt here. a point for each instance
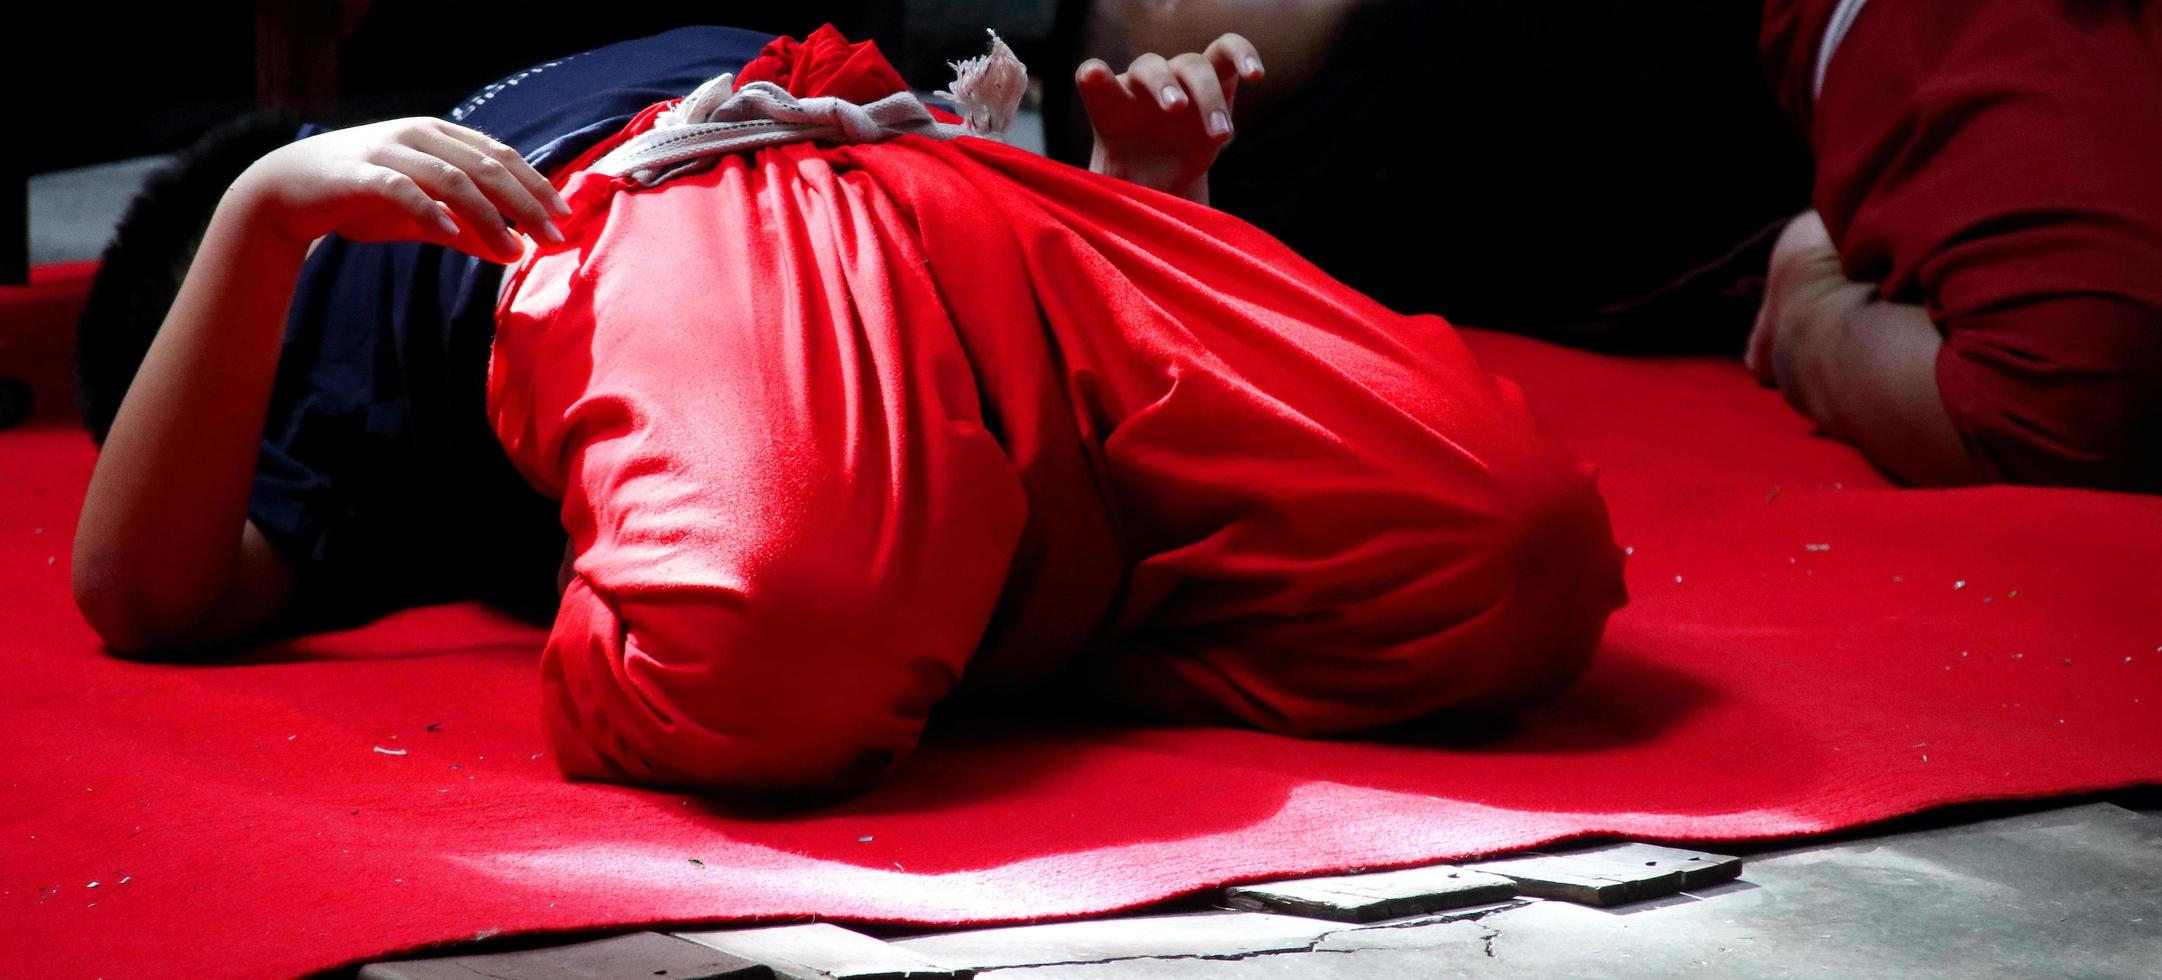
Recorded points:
(379, 478)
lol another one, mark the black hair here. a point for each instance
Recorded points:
(142, 268)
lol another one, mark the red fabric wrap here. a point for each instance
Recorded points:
(825, 63)
(1996, 160)
(835, 426)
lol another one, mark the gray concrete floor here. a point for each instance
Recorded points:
(2061, 893)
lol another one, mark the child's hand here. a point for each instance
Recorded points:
(404, 180)
(1162, 123)
(1806, 300)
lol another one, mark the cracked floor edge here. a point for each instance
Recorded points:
(1251, 954)
(1314, 946)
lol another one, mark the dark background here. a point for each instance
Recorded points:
(95, 82)
(105, 82)
(1574, 158)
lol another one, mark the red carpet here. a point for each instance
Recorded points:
(37, 332)
(1808, 650)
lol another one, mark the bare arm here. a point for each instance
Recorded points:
(164, 553)
(1863, 369)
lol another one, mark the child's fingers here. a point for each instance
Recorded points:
(1207, 91)
(1097, 85)
(450, 185)
(471, 243)
(1234, 57)
(513, 164)
(1094, 74)
(400, 190)
(1150, 77)
(503, 187)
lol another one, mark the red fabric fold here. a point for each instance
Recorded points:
(825, 63)
(838, 427)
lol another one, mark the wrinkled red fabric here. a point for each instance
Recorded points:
(824, 63)
(840, 430)
(1996, 160)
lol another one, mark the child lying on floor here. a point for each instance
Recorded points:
(838, 422)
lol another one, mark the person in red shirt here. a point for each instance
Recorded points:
(1977, 294)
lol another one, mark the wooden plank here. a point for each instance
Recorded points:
(1614, 874)
(642, 954)
(1698, 868)
(1566, 881)
(1376, 896)
(823, 951)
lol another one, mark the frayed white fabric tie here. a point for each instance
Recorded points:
(718, 119)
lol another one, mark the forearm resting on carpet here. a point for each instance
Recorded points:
(162, 554)
(1873, 383)
(1863, 369)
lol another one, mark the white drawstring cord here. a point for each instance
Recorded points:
(718, 118)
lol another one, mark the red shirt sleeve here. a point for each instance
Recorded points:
(1787, 40)
(2065, 390)
(2000, 161)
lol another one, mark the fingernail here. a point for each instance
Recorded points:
(558, 205)
(1173, 98)
(444, 224)
(1219, 124)
(1253, 66)
(548, 232)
